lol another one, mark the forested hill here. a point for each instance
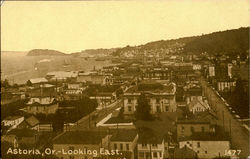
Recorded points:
(224, 42)
(45, 52)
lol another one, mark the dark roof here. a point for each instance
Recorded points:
(32, 121)
(80, 137)
(184, 153)
(148, 136)
(22, 132)
(124, 135)
(192, 121)
(13, 117)
(206, 136)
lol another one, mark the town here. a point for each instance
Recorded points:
(152, 104)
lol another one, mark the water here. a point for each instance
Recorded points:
(18, 68)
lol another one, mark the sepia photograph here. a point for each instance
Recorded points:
(125, 79)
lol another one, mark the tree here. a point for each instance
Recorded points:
(143, 108)
(5, 83)
(58, 122)
(119, 92)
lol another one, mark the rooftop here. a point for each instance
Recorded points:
(38, 80)
(184, 153)
(13, 117)
(41, 101)
(62, 74)
(198, 101)
(206, 136)
(80, 137)
(124, 135)
(32, 121)
(22, 132)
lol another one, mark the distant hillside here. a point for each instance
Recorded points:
(93, 52)
(224, 42)
(45, 52)
(230, 42)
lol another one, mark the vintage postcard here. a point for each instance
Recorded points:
(132, 79)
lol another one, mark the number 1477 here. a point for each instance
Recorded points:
(232, 152)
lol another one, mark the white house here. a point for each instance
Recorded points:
(150, 147)
(12, 121)
(198, 105)
(206, 145)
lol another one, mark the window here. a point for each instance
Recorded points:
(121, 146)
(182, 129)
(198, 151)
(141, 154)
(155, 154)
(157, 100)
(159, 154)
(144, 145)
(129, 108)
(115, 146)
(166, 108)
(127, 146)
(154, 145)
(198, 144)
(202, 129)
(205, 152)
(129, 100)
(192, 129)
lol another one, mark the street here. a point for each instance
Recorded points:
(239, 135)
(90, 120)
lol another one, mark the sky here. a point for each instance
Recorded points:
(73, 26)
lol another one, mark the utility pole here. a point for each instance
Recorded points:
(223, 120)
(230, 128)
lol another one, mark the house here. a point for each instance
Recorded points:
(24, 138)
(192, 90)
(42, 90)
(90, 142)
(184, 153)
(159, 73)
(104, 98)
(207, 145)
(161, 97)
(204, 122)
(29, 123)
(150, 146)
(12, 121)
(92, 77)
(44, 105)
(36, 82)
(74, 91)
(226, 84)
(124, 141)
(198, 105)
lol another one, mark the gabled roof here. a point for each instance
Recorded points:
(38, 80)
(197, 101)
(32, 121)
